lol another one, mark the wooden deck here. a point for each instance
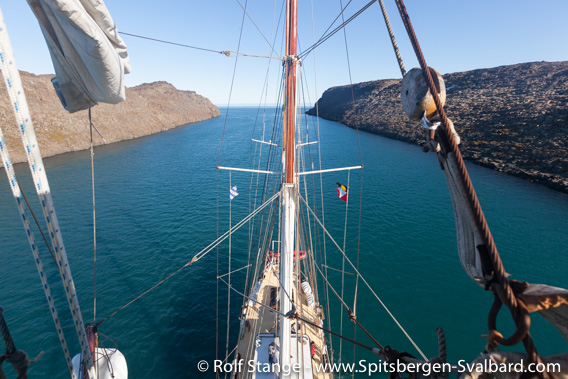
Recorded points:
(262, 320)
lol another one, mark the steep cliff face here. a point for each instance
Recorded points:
(148, 109)
(513, 119)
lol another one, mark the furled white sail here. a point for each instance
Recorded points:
(89, 57)
(550, 302)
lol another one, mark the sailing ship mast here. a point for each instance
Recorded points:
(288, 193)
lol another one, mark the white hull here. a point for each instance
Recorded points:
(109, 364)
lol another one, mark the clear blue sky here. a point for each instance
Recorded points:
(456, 35)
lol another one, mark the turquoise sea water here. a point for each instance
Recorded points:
(156, 208)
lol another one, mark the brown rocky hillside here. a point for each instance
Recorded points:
(148, 109)
(513, 119)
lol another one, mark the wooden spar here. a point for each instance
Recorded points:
(291, 76)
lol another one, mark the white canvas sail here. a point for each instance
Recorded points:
(89, 57)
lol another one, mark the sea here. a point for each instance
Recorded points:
(157, 206)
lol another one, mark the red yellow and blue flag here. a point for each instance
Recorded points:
(342, 192)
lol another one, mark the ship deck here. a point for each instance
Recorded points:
(259, 320)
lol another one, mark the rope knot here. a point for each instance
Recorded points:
(19, 361)
(432, 145)
(352, 316)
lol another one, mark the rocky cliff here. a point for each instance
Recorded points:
(148, 109)
(513, 119)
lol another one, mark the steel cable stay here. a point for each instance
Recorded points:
(228, 53)
(23, 118)
(254, 165)
(343, 260)
(322, 247)
(499, 284)
(197, 256)
(350, 313)
(92, 150)
(257, 28)
(363, 279)
(324, 38)
(341, 14)
(262, 237)
(218, 163)
(294, 315)
(18, 196)
(348, 184)
(36, 222)
(229, 259)
(269, 162)
(309, 233)
(257, 226)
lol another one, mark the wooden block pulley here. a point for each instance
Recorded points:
(416, 96)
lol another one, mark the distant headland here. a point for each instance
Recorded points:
(148, 109)
(513, 119)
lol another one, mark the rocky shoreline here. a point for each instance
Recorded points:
(513, 119)
(148, 109)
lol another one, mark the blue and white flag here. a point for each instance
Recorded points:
(233, 193)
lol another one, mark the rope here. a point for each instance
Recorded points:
(231, 90)
(37, 260)
(326, 293)
(94, 222)
(173, 43)
(352, 315)
(19, 105)
(231, 53)
(326, 37)
(393, 40)
(237, 226)
(364, 281)
(8, 341)
(228, 290)
(19, 361)
(295, 316)
(343, 261)
(358, 252)
(232, 351)
(256, 26)
(18, 358)
(338, 270)
(217, 282)
(239, 269)
(330, 25)
(107, 354)
(197, 257)
(282, 286)
(349, 312)
(36, 222)
(448, 140)
(442, 352)
(255, 165)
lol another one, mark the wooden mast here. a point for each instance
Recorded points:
(288, 193)
(290, 90)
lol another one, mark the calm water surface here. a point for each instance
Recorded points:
(156, 208)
